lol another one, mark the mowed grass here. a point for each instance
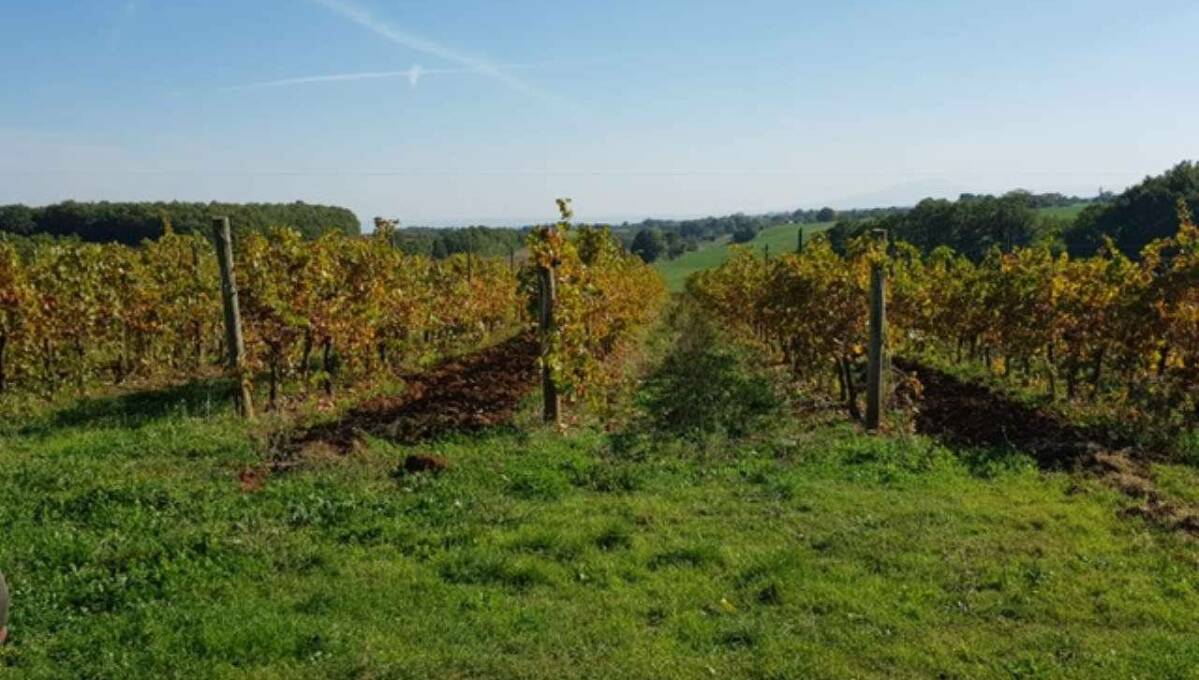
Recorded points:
(802, 549)
(781, 239)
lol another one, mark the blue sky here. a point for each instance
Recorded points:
(440, 111)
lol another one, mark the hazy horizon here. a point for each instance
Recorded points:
(482, 114)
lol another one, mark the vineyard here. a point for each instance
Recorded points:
(335, 310)
(705, 509)
(1110, 332)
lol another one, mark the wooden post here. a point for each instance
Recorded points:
(511, 258)
(549, 391)
(234, 341)
(875, 380)
(766, 253)
(799, 245)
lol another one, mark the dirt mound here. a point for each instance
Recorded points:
(465, 394)
(969, 414)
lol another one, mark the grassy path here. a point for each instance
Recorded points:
(712, 535)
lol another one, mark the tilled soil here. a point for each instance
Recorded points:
(969, 414)
(466, 394)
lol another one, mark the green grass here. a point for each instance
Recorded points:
(1065, 212)
(781, 239)
(800, 550)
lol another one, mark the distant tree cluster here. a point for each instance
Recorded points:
(971, 225)
(744, 235)
(442, 243)
(131, 223)
(975, 223)
(664, 239)
(1047, 200)
(654, 244)
(1143, 213)
(708, 228)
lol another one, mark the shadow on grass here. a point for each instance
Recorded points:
(135, 409)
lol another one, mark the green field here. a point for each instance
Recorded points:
(1066, 212)
(780, 239)
(703, 531)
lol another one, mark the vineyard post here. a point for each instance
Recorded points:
(766, 253)
(799, 245)
(549, 391)
(875, 382)
(234, 340)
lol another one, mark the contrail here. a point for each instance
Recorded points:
(413, 75)
(365, 19)
(332, 78)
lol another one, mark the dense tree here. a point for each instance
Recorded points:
(972, 225)
(826, 215)
(675, 244)
(440, 243)
(17, 219)
(1143, 213)
(744, 234)
(649, 245)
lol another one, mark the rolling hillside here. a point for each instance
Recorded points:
(780, 239)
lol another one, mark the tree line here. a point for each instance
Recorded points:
(1144, 213)
(440, 243)
(975, 224)
(972, 225)
(667, 239)
(133, 223)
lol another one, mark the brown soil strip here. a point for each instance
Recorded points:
(969, 414)
(466, 394)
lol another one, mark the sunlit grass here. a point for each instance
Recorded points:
(799, 551)
(781, 239)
